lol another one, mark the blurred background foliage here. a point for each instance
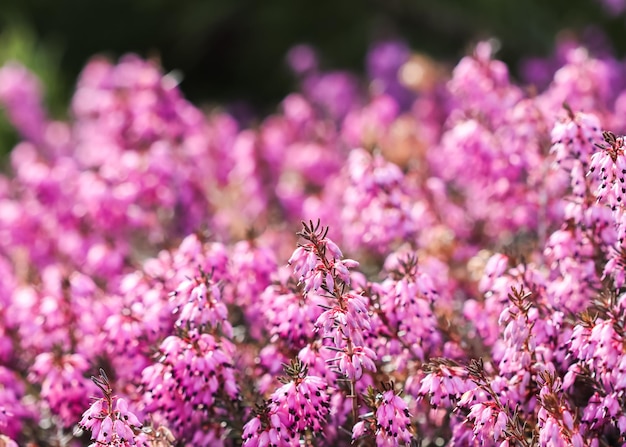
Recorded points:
(234, 50)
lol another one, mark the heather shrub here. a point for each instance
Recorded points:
(400, 260)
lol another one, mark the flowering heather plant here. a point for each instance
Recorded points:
(431, 263)
(108, 418)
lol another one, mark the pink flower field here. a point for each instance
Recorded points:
(427, 256)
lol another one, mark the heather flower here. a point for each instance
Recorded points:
(316, 356)
(573, 138)
(501, 159)
(151, 436)
(592, 94)
(480, 83)
(368, 127)
(389, 422)
(350, 362)
(406, 300)
(252, 264)
(557, 425)
(200, 305)
(485, 419)
(305, 400)
(63, 384)
(21, 95)
(609, 165)
(290, 314)
(71, 310)
(194, 372)
(508, 331)
(109, 419)
(318, 263)
(138, 318)
(300, 406)
(384, 62)
(335, 92)
(13, 411)
(574, 276)
(152, 120)
(246, 177)
(379, 203)
(616, 267)
(496, 408)
(444, 383)
(393, 418)
(268, 428)
(346, 319)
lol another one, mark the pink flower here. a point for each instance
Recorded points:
(63, 385)
(393, 419)
(108, 418)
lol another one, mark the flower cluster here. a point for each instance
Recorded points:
(389, 422)
(345, 320)
(155, 240)
(63, 385)
(110, 421)
(297, 409)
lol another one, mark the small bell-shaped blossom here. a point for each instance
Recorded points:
(345, 319)
(389, 422)
(301, 405)
(608, 165)
(110, 421)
